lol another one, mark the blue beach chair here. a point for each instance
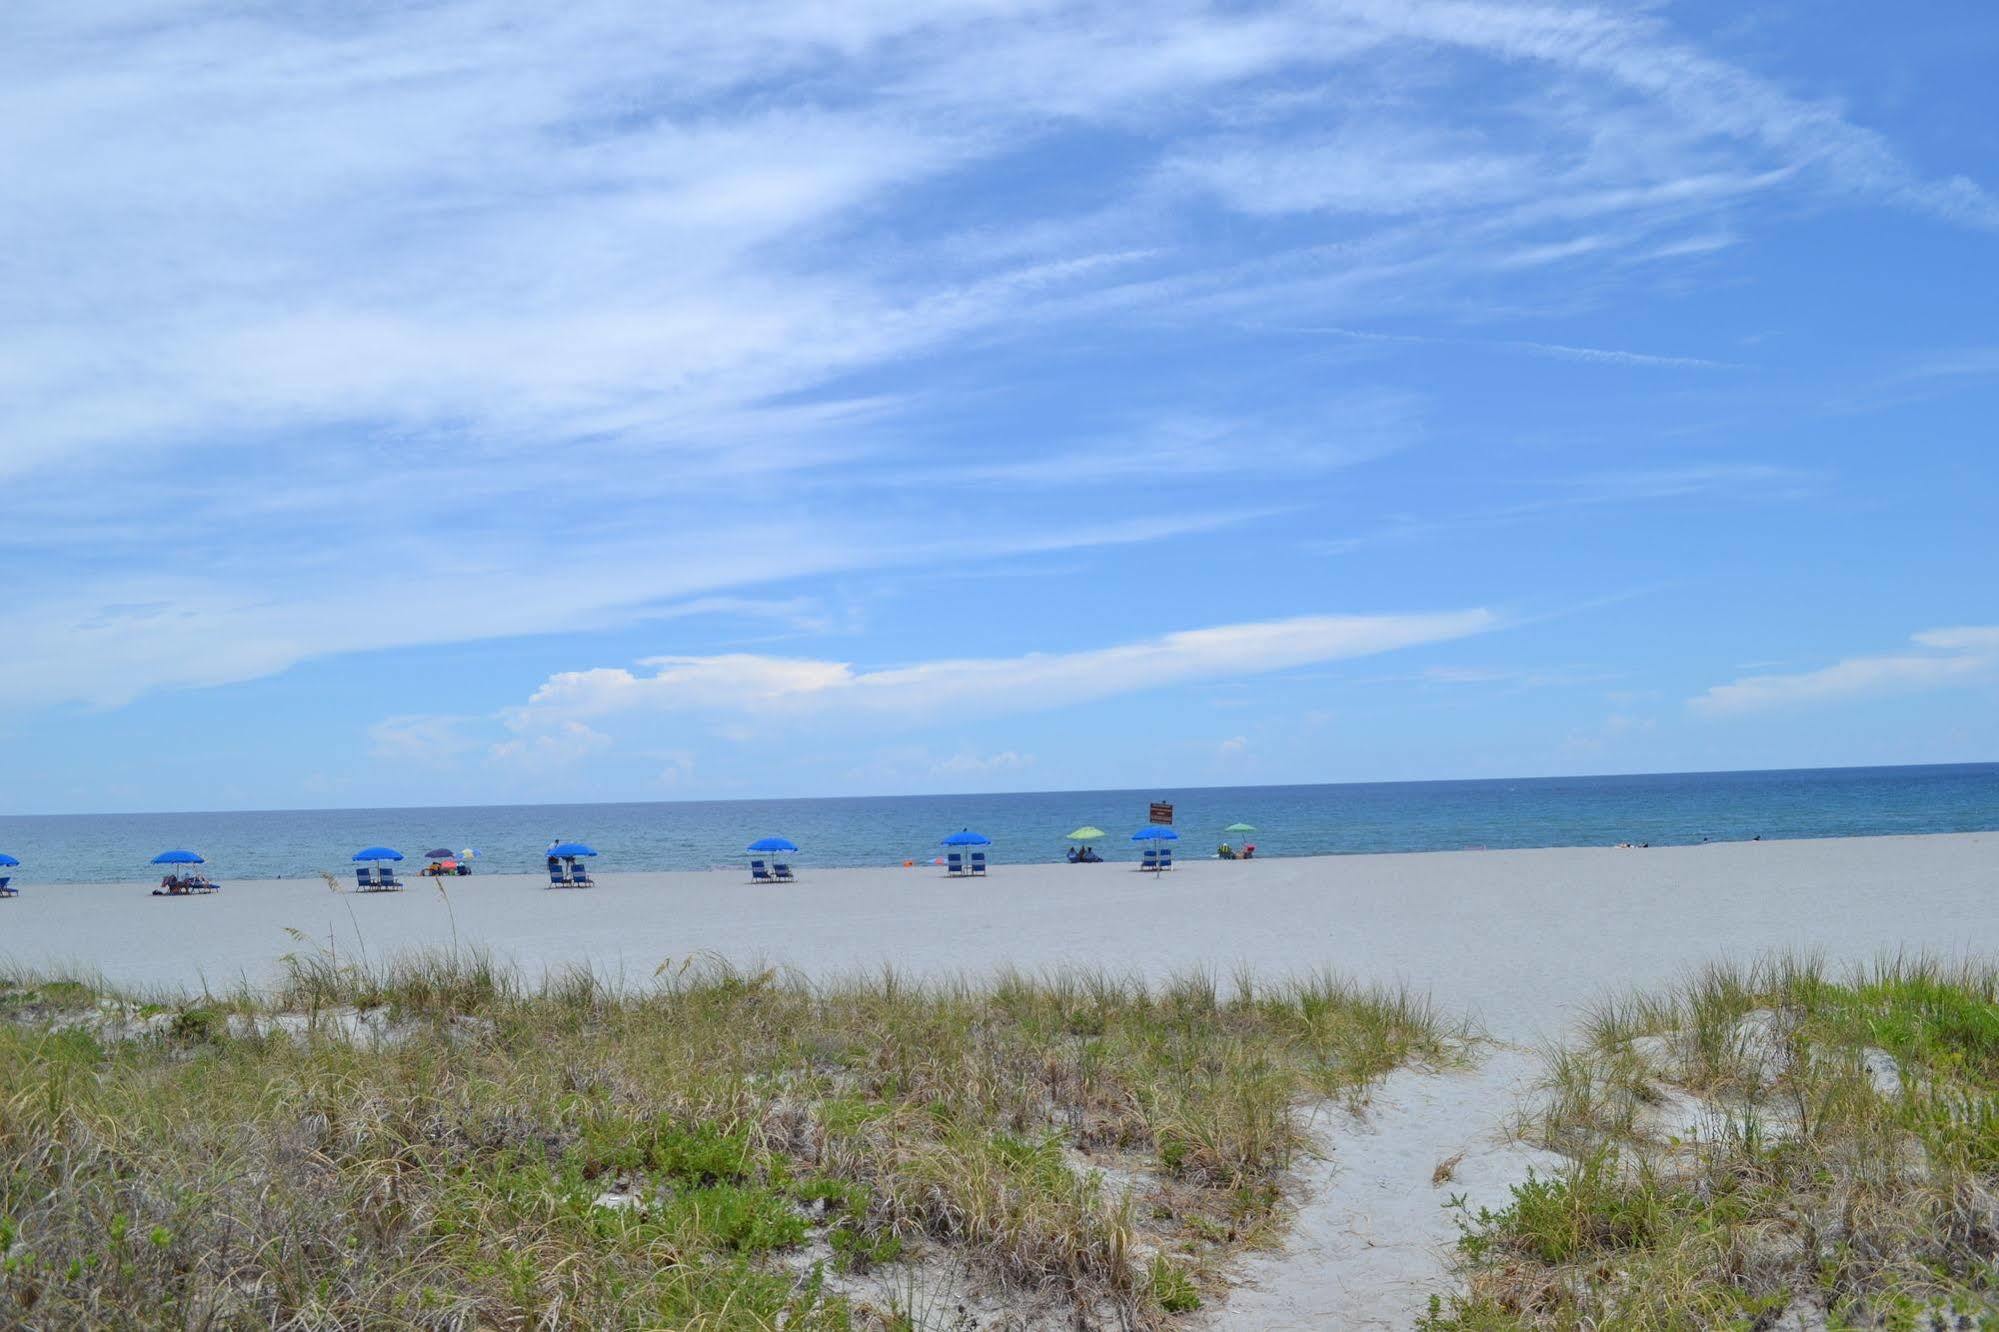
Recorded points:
(1166, 857)
(385, 877)
(556, 878)
(978, 862)
(954, 863)
(364, 878)
(1151, 861)
(758, 874)
(782, 872)
(6, 890)
(580, 877)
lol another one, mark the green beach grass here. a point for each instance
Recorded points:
(1769, 1146)
(438, 1143)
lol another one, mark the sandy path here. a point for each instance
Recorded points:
(1369, 1244)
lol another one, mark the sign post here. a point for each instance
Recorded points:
(1162, 812)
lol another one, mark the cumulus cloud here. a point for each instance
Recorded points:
(751, 683)
(1957, 656)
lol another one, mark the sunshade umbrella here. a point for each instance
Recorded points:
(438, 853)
(773, 844)
(6, 859)
(566, 850)
(1086, 834)
(967, 837)
(178, 857)
(1240, 828)
(467, 854)
(378, 853)
(1155, 833)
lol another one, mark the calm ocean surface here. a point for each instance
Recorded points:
(1291, 821)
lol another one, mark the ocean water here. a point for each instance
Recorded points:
(1662, 809)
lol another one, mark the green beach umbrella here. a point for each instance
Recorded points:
(1087, 834)
(1240, 828)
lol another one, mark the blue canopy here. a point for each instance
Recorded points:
(1155, 833)
(6, 859)
(967, 838)
(773, 844)
(567, 849)
(378, 853)
(178, 858)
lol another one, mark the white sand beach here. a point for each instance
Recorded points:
(1520, 941)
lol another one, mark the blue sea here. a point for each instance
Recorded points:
(1662, 809)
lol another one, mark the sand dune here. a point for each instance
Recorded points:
(1521, 941)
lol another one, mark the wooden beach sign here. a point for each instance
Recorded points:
(1162, 811)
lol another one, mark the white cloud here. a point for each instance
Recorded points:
(420, 739)
(563, 743)
(968, 764)
(1959, 656)
(760, 684)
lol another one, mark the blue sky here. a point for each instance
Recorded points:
(465, 402)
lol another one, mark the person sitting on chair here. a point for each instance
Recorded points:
(1225, 851)
(1248, 850)
(1075, 856)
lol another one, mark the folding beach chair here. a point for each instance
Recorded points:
(364, 878)
(978, 862)
(953, 863)
(1166, 857)
(580, 877)
(6, 891)
(556, 878)
(759, 874)
(1151, 861)
(385, 877)
(782, 873)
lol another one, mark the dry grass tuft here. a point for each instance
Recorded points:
(434, 1142)
(1764, 1144)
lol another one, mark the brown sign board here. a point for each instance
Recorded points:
(1162, 812)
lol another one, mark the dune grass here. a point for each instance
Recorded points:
(1764, 1143)
(714, 1149)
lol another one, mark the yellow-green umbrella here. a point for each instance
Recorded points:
(1087, 834)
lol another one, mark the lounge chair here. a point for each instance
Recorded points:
(364, 878)
(978, 862)
(782, 873)
(556, 877)
(6, 890)
(1166, 857)
(385, 877)
(1151, 861)
(953, 863)
(758, 874)
(580, 877)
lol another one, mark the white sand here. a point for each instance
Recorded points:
(1521, 940)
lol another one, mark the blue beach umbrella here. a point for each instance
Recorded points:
(378, 853)
(8, 860)
(178, 857)
(1155, 833)
(440, 853)
(772, 844)
(967, 837)
(565, 850)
